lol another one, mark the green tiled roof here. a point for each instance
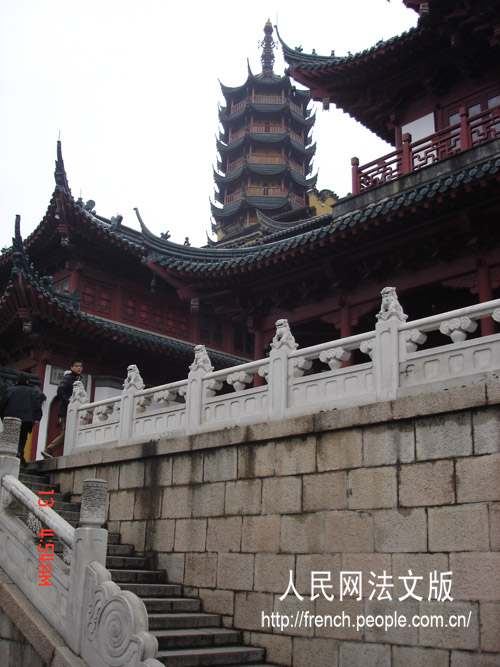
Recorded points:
(203, 261)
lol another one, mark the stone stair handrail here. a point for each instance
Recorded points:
(99, 622)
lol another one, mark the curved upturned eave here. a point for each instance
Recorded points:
(227, 119)
(56, 310)
(228, 178)
(312, 61)
(302, 180)
(228, 148)
(228, 210)
(327, 228)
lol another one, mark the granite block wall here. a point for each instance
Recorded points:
(393, 496)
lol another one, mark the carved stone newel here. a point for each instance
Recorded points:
(283, 336)
(133, 379)
(201, 360)
(9, 437)
(390, 308)
(94, 502)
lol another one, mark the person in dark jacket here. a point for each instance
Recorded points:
(25, 403)
(64, 392)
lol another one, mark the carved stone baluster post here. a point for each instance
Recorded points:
(90, 545)
(283, 343)
(386, 351)
(78, 398)
(194, 392)
(133, 383)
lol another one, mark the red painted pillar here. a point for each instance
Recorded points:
(258, 344)
(465, 138)
(258, 354)
(485, 294)
(40, 371)
(355, 176)
(406, 161)
(345, 327)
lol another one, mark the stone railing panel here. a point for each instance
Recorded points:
(115, 624)
(293, 381)
(447, 363)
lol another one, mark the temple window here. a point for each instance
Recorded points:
(144, 312)
(211, 331)
(243, 341)
(482, 101)
(157, 317)
(183, 324)
(130, 308)
(104, 299)
(88, 295)
(420, 128)
(62, 286)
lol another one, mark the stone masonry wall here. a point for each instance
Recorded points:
(14, 649)
(400, 489)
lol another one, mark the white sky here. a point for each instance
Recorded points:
(133, 88)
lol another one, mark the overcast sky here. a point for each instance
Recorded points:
(132, 88)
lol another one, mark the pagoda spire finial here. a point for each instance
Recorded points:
(268, 44)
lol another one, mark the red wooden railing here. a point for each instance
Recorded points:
(233, 196)
(262, 191)
(298, 200)
(231, 166)
(297, 167)
(296, 108)
(261, 159)
(266, 99)
(267, 159)
(238, 106)
(470, 131)
(265, 129)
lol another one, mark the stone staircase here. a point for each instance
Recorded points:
(187, 636)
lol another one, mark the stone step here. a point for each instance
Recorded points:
(66, 505)
(120, 549)
(152, 590)
(169, 604)
(223, 655)
(183, 620)
(35, 486)
(117, 562)
(187, 637)
(30, 472)
(196, 637)
(138, 576)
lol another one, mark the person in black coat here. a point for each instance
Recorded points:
(25, 403)
(64, 392)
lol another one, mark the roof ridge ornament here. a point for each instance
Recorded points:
(268, 44)
(60, 172)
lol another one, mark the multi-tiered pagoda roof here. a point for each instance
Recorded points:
(265, 151)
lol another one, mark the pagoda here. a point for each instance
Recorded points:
(265, 152)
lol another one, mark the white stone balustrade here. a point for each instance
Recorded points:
(458, 328)
(396, 363)
(99, 622)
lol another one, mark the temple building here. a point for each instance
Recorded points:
(77, 287)
(265, 152)
(422, 218)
